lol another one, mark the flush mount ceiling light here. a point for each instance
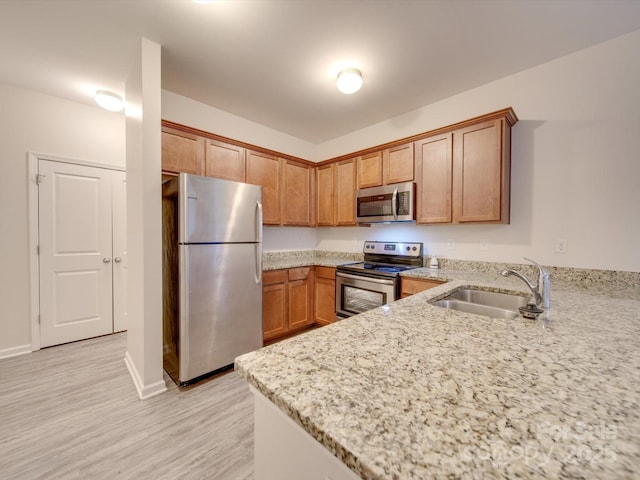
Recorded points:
(349, 80)
(109, 100)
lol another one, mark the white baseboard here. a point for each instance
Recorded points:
(15, 351)
(144, 391)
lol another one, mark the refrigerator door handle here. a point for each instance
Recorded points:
(259, 215)
(258, 274)
(259, 221)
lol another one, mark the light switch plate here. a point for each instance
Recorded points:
(451, 244)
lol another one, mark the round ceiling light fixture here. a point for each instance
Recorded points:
(109, 100)
(349, 80)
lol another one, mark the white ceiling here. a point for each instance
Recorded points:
(274, 61)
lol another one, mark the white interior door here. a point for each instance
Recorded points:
(75, 239)
(119, 205)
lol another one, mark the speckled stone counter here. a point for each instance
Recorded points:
(415, 391)
(303, 258)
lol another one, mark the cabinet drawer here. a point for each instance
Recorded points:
(300, 273)
(411, 286)
(326, 272)
(274, 276)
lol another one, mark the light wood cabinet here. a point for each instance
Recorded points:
(370, 170)
(345, 192)
(397, 164)
(326, 195)
(433, 178)
(385, 167)
(481, 173)
(462, 173)
(300, 290)
(265, 170)
(336, 188)
(411, 286)
(297, 199)
(287, 301)
(325, 295)
(464, 176)
(224, 160)
(182, 152)
(274, 304)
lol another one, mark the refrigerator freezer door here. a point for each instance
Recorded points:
(220, 307)
(218, 211)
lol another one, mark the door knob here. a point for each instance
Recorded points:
(117, 259)
(106, 259)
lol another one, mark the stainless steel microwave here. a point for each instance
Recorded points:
(386, 204)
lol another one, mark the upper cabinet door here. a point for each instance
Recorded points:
(370, 170)
(223, 160)
(265, 170)
(182, 152)
(433, 177)
(297, 205)
(481, 172)
(345, 192)
(326, 195)
(398, 164)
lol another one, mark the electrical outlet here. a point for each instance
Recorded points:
(484, 245)
(562, 245)
(451, 244)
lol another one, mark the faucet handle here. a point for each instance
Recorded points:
(544, 284)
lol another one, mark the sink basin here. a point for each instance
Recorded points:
(481, 302)
(491, 299)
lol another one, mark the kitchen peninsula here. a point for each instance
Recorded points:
(415, 391)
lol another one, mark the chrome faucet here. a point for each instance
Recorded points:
(541, 289)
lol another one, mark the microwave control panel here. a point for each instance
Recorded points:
(404, 205)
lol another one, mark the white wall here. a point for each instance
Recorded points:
(575, 163)
(144, 222)
(289, 238)
(32, 121)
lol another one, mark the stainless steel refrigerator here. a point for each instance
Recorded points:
(212, 274)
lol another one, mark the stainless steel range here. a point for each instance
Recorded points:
(376, 281)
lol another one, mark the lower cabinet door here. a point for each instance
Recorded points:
(274, 304)
(325, 295)
(300, 289)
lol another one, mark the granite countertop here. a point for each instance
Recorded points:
(281, 260)
(414, 391)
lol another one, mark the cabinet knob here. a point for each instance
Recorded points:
(117, 259)
(106, 260)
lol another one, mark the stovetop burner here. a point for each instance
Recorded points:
(387, 270)
(387, 259)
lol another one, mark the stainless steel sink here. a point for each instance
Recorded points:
(481, 302)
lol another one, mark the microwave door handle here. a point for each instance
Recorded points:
(394, 204)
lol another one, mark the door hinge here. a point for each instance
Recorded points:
(37, 249)
(39, 178)
(38, 319)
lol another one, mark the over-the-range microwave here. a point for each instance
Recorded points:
(386, 204)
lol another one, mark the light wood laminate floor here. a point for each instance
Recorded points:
(72, 412)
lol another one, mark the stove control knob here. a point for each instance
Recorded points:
(414, 249)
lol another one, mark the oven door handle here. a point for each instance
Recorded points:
(381, 281)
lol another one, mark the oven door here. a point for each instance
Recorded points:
(357, 293)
